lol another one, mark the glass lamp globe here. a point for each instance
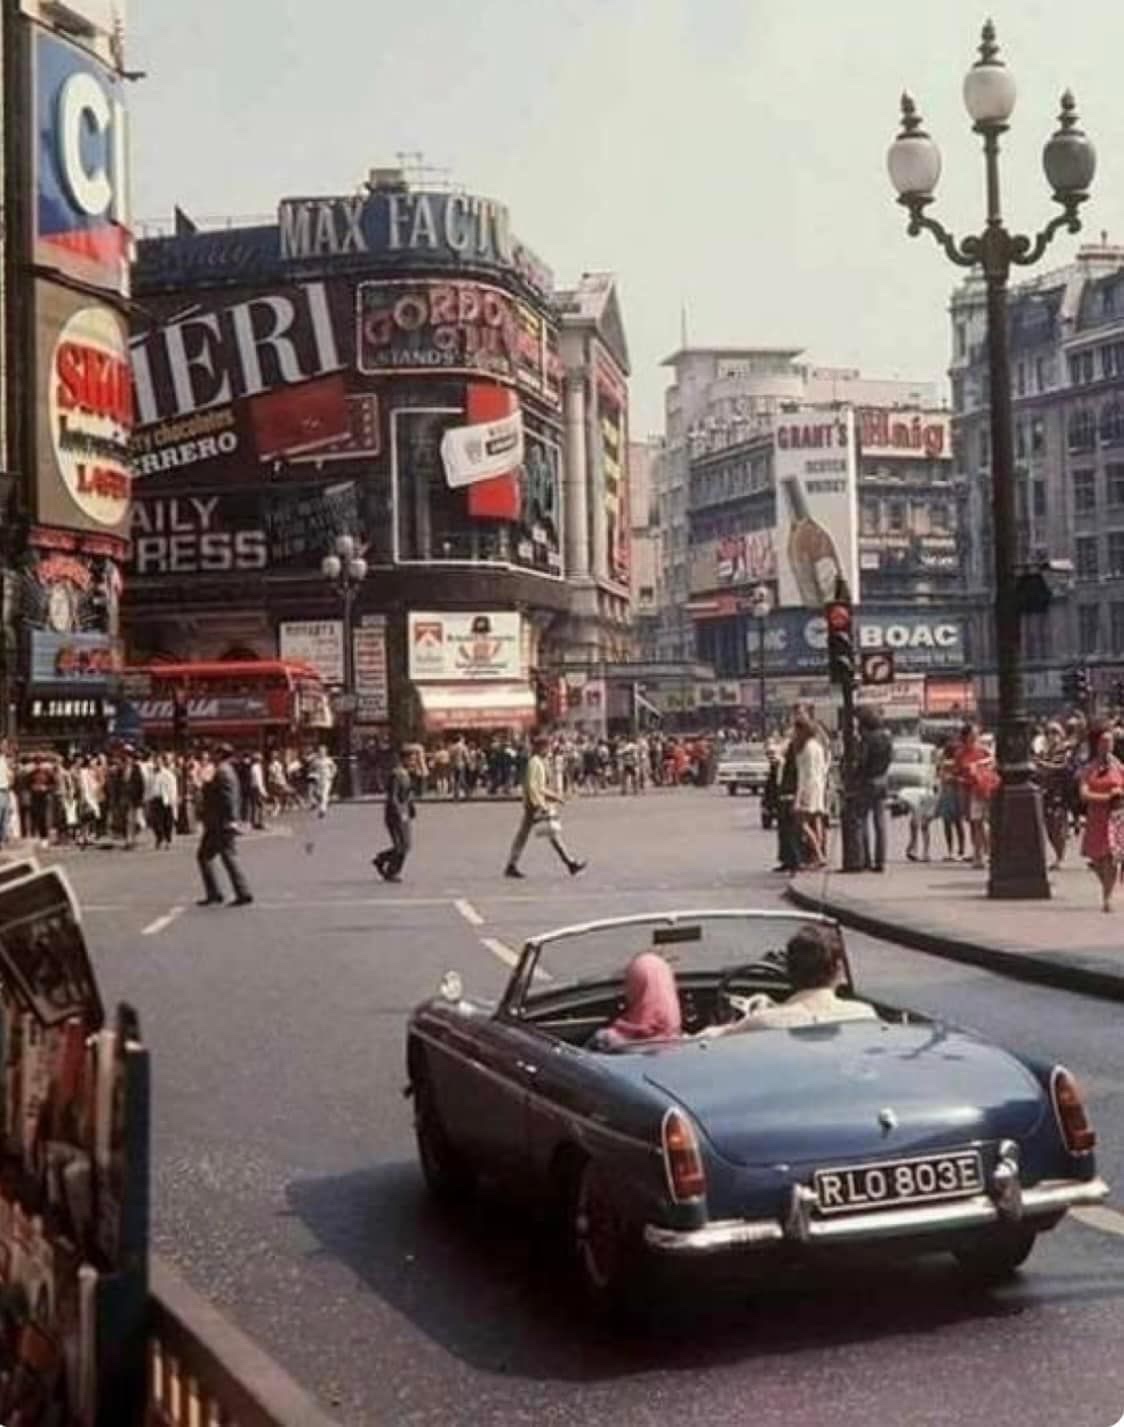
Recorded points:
(345, 546)
(989, 86)
(331, 567)
(1069, 158)
(914, 164)
(357, 568)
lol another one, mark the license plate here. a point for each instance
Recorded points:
(900, 1181)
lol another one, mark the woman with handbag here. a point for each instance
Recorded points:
(1102, 792)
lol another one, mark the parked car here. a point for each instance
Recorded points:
(743, 765)
(912, 766)
(899, 1132)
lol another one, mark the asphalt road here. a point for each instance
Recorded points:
(286, 1186)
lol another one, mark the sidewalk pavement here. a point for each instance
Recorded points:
(943, 908)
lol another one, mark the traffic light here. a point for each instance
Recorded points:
(840, 645)
(1075, 687)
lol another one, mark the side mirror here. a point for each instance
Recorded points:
(451, 988)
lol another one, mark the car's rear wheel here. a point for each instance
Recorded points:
(606, 1249)
(732, 789)
(448, 1175)
(996, 1257)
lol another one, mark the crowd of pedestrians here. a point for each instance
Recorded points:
(466, 767)
(126, 793)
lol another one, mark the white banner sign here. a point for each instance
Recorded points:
(318, 642)
(451, 645)
(817, 534)
(370, 669)
(482, 451)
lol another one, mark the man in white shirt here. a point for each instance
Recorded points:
(815, 972)
(539, 803)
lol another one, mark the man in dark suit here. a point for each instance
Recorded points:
(222, 805)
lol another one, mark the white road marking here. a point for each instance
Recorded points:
(1098, 1216)
(504, 953)
(162, 922)
(468, 912)
(501, 950)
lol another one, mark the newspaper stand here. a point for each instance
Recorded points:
(74, 1172)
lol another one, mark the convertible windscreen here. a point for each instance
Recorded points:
(575, 983)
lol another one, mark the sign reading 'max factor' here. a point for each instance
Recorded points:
(450, 227)
(81, 166)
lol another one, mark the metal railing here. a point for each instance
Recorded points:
(203, 1372)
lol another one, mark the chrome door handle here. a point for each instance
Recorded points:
(526, 1067)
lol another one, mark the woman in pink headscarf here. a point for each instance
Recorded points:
(651, 1009)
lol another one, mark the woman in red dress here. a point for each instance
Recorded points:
(1102, 792)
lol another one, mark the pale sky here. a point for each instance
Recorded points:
(726, 154)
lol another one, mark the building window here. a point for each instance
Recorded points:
(898, 517)
(961, 339)
(1020, 440)
(1039, 489)
(1082, 430)
(1043, 373)
(1112, 422)
(1116, 553)
(1084, 492)
(1020, 379)
(1088, 628)
(958, 393)
(1080, 368)
(1037, 435)
(1085, 550)
(940, 517)
(1034, 636)
(868, 517)
(1116, 611)
(1114, 482)
(985, 447)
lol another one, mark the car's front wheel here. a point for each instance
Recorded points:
(732, 789)
(995, 1258)
(606, 1249)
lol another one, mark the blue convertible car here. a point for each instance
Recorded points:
(895, 1131)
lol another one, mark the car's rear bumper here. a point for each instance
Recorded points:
(1047, 1200)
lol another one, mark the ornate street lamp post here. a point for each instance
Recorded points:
(1018, 860)
(345, 570)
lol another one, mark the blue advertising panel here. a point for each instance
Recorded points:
(796, 641)
(71, 660)
(81, 166)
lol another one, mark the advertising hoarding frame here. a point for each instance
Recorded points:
(454, 646)
(815, 461)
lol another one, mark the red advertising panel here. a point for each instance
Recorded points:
(498, 498)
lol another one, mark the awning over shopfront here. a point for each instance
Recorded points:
(484, 705)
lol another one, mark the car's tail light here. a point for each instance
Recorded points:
(1073, 1118)
(686, 1177)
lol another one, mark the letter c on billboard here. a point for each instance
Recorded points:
(85, 110)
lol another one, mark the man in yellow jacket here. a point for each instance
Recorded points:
(539, 802)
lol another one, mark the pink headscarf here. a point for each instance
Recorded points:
(651, 1001)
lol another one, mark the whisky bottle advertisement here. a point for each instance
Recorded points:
(811, 553)
(817, 536)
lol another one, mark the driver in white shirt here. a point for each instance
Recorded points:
(815, 972)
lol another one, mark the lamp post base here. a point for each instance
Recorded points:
(1018, 845)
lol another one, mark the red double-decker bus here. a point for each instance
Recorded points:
(253, 703)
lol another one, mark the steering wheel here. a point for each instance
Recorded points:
(729, 1007)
